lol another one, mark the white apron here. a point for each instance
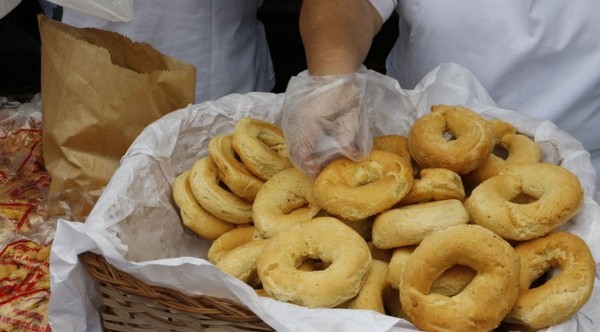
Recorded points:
(222, 38)
(540, 57)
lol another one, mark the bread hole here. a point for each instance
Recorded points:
(274, 142)
(448, 136)
(453, 280)
(312, 264)
(223, 186)
(523, 198)
(500, 152)
(544, 277)
(369, 173)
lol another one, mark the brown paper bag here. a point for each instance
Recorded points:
(99, 91)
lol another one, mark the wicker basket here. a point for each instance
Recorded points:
(132, 305)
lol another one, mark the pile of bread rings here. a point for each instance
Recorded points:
(455, 226)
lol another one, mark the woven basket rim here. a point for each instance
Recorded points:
(212, 307)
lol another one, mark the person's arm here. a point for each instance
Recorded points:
(337, 34)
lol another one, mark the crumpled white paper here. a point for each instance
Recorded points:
(136, 227)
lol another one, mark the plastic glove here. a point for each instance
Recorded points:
(323, 118)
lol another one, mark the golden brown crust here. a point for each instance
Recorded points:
(324, 238)
(193, 215)
(520, 150)
(554, 196)
(410, 224)
(451, 282)
(370, 296)
(357, 190)
(473, 140)
(483, 303)
(232, 171)
(284, 200)
(223, 204)
(240, 262)
(229, 241)
(500, 128)
(261, 146)
(566, 292)
(397, 144)
(435, 184)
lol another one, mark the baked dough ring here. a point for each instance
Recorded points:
(397, 144)
(324, 238)
(409, 224)
(435, 184)
(484, 302)
(565, 293)
(356, 190)
(240, 262)
(193, 215)
(284, 200)
(232, 171)
(500, 128)
(472, 145)
(497, 202)
(451, 282)
(520, 150)
(370, 296)
(261, 147)
(230, 240)
(223, 204)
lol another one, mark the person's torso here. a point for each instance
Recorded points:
(540, 57)
(222, 38)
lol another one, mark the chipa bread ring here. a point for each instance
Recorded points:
(326, 239)
(284, 200)
(435, 184)
(356, 190)
(565, 293)
(410, 224)
(483, 303)
(231, 170)
(471, 143)
(261, 146)
(526, 201)
(193, 215)
(225, 205)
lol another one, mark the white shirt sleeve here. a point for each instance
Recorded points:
(6, 6)
(385, 8)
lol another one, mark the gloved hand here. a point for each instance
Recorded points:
(323, 118)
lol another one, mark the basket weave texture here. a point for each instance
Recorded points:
(130, 304)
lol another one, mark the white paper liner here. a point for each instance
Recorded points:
(136, 227)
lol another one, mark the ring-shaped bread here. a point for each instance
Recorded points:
(410, 224)
(284, 200)
(392, 143)
(471, 143)
(261, 147)
(566, 292)
(435, 184)
(500, 128)
(483, 303)
(230, 240)
(193, 215)
(520, 149)
(526, 201)
(450, 283)
(232, 171)
(220, 202)
(240, 262)
(370, 296)
(326, 239)
(354, 190)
